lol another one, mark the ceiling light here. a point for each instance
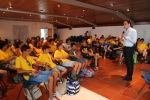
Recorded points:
(67, 18)
(93, 20)
(41, 10)
(128, 9)
(76, 17)
(30, 15)
(3, 12)
(56, 20)
(7, 8)
(10, 7)
(51, 17)
(58, 5)
(117, 11)
(22, 17)
(83, 10)
(81, 16)
(112, 4)
(112, 18)
(64, 14)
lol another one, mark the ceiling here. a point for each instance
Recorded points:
(76, 13)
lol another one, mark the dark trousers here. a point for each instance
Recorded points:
(128, 55)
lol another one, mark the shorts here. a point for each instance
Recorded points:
(68, 63)
(119, 52)
(81, 60)
(42, 76)
(58, 68)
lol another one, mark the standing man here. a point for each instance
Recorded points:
(129, 37)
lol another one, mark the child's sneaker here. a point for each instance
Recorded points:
(52, 99)
(57, 94)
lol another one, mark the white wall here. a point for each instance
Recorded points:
(110, 30)
(33, 28)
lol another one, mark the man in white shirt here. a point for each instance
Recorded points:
(129, 37)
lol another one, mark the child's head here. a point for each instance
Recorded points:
(51, 41)
(68, 41)
(84, 43)
(59, 46)
(45, 49)
(106, 41)
(73, 45)
(3, 45)
(142, 40)
(25, 49)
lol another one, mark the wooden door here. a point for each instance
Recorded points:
(50, 33)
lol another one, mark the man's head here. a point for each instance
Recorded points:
(45, 49)
(127, 24)
(73, 45)
(25, 49)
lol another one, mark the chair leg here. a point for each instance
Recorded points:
(4, 84)
(142, 87)
(46, 87)
(19, 93)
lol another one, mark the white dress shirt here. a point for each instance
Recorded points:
(130, 38)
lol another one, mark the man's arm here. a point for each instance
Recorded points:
(133, 37)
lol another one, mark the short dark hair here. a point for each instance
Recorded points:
(51, 40)
(142, 39)
(58, 44)
(25, 48)
(44, 47)
(3, 43)
(129, 22)
(72, 44)
(17, 44)
(67, 40)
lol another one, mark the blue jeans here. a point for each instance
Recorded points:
(42, 76)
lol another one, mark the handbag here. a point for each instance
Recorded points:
(73, 58)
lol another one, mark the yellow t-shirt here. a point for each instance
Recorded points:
(61, 54)
(46, 58)
(25, 64)
(18, 52)
(89, 41)
(38, 50)
(142, 47)
(31, 46)
(112, 42)
(3, 55)
(52, 48)
(101, 41)
(13, 48)
(9, 52)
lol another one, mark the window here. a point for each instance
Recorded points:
(44, 33)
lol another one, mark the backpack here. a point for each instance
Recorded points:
(34, 90)
(88, 72)
(73, 85)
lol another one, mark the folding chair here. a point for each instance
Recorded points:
(5, 66)
(2, 81)
(146, 75)
(27, 83)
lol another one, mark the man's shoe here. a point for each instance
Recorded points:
(123, 76)
(127, 78)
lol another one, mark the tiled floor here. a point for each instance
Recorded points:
(106, 82)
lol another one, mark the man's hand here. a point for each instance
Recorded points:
(35, 74)
(123, 35)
